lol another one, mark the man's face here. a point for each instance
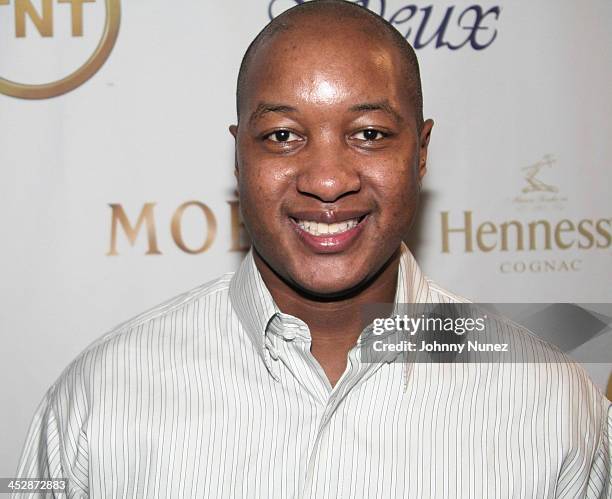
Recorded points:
(328, 157)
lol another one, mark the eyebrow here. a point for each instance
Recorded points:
(383, 106)
(265, 107)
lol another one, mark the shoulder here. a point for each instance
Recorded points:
(547, 376)
(199, 294)
(144, 337)
(547, 383)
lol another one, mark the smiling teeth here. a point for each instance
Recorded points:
(323, 229)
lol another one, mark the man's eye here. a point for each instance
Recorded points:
(282, 136)
(370, 135)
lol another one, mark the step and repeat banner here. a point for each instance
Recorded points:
(116, 164)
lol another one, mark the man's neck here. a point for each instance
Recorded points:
(334, 324)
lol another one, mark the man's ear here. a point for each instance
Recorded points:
(233, 129)
(423, 145)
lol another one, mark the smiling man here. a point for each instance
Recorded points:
(331, 149)
(255, 385)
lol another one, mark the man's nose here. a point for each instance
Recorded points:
(328, 171)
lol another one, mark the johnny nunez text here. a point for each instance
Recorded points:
(435, 346)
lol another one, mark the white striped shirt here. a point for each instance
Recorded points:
(216, 394)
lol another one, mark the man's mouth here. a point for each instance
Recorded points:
(334, 236)
(324, 229)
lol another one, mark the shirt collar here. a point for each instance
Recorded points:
(255, 306)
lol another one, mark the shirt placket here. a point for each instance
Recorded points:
(289, 342)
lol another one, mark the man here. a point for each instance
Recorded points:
(254, 385)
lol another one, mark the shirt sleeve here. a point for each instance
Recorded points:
(600, 477)
(56, 446)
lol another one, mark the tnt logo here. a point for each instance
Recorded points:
(43, 21)
(51, 47)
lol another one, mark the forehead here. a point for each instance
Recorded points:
(334, 58)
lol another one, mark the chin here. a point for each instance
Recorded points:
(331, 275)
(329, 286)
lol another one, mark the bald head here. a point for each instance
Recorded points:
(335, 18)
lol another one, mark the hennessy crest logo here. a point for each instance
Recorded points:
(50, 47)
(534, 184)
(536, 193)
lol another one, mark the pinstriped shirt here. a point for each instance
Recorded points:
(216, 394)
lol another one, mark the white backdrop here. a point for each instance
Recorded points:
(522, 135)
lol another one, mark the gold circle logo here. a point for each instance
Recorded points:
(81, 75)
